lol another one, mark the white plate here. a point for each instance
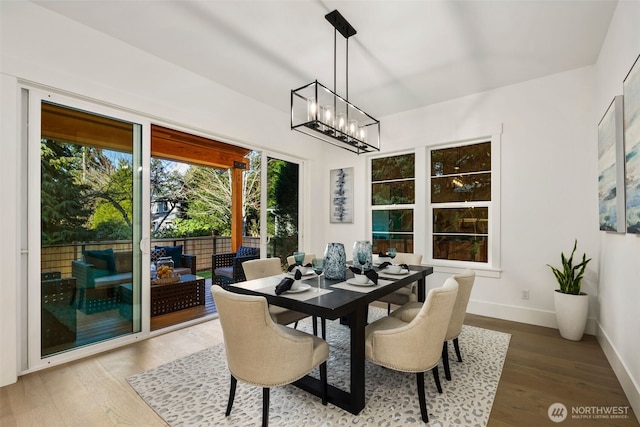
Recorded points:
(353, 282)
(301, 288)
(308, 273)
(403, 271)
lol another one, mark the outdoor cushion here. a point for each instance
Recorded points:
(175, 252)
(123, 261)
(101, 259)
(112, 280)
(224, 271)
(245, 251)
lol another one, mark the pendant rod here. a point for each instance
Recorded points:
(347, 73)
(335, 37)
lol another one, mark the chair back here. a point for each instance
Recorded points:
(465, 284)
(259, 268)
(407, 258)
(258, 351)
(307, 259)
(417, 346)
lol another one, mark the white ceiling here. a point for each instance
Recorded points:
(406, 54)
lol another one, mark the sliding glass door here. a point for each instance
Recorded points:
(85, 177)
(281, 212)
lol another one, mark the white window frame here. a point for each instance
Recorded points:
(492, 267)
(412, 206)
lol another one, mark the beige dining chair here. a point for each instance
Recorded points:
(307, 259)
(406, 293)
(414, 345)
(465, 285)
(259, 268)
(262, 353)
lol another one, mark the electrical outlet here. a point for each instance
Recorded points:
(525, 294)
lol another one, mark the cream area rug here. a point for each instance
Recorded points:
(193, 391)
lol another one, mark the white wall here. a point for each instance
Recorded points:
(619, 278)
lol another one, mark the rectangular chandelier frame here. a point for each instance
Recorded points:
(319, 112)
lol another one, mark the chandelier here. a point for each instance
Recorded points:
(319, 112)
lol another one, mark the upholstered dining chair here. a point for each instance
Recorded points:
(406, 293)
(307, 259)
(465, 284)
(323, 323)
(262, 353)
(259, 268)
(414, 345)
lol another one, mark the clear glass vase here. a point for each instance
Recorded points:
(164, 267)
(362, 257)
(335, 262)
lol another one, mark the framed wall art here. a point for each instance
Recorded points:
(341, 194)
(611, 190)
(631, 92)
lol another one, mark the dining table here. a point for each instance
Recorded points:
(338, 299)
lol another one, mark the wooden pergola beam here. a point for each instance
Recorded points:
(175, 145)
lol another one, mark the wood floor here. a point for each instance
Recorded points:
(540, 369)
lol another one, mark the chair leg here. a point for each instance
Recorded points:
(457, 347)
(232, 394)
(436, 378)
(323, 380)
(265, 406)
(295, 325)
(314, 320)
(388, 308)
(445, 360)
(421, 398)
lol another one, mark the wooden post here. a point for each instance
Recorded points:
(236, 205)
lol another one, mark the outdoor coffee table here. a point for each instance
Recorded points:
(167, 298)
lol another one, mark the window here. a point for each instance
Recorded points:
(461, 202)
(392, 202)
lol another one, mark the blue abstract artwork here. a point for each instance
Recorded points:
(631, 90)
(611, 190)
(341, 195)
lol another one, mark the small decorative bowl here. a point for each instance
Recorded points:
(360, 278)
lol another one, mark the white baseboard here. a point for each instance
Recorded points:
(522, 315)
(631, 389)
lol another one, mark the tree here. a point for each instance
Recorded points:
(209, 194)
(167, 189)
(64, 214)
(109, 178)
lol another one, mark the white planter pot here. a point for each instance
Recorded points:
(571, 313)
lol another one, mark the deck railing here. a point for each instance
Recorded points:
(59, 257)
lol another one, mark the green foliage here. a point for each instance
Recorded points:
(285, 197)
(570, 276)
(64, 212)
(112, 229)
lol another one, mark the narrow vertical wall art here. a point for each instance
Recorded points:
(631, 91)
(341, 189)
(611, 190)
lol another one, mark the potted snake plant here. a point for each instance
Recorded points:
(572, 305)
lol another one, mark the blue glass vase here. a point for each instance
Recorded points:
(362, 252)
(335, 262)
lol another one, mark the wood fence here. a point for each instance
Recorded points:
(59, 257)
